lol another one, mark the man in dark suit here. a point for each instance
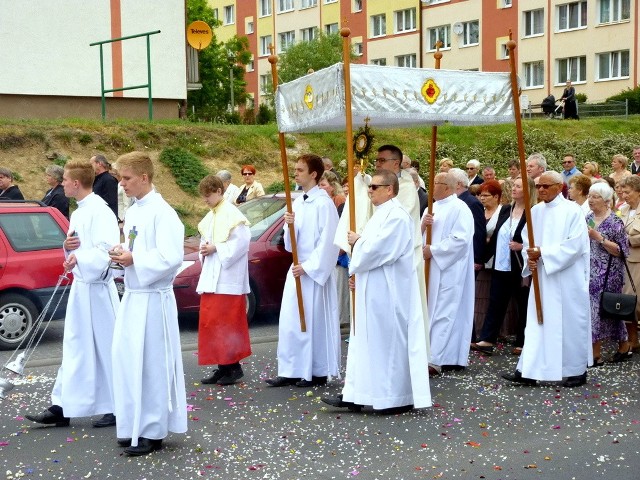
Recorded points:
(635, 165)
(105, 185)
(473, 167)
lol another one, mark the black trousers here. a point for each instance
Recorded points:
(504, 287)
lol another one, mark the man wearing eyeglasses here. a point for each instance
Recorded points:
(569, 168)
(451, 277)
(387, 350)
(560, 347)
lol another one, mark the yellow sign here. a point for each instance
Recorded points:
(199, 35)
(308, 97)
(430, 91)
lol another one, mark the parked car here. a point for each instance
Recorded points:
(31, 256)
(268, 260)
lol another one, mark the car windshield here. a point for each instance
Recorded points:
(262, 212)
(31, 231)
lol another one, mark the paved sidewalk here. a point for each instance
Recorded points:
(479, 427)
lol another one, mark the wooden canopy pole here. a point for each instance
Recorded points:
(345, 32)
(511, 45)
(273, 60)
(432, 175)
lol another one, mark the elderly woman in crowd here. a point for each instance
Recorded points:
(591, 170)
(507, 281)
(579, 190)
(619, 164)
(608, 242)
(251, 188)
(8, 191)
(630, 216)
(55, 196)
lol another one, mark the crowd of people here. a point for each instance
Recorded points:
(428, 285)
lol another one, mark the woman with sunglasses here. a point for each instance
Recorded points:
(252, 188)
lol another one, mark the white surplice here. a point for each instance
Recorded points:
(83, 386)
(387, 359)
(561, 346)
(451, 282)
(148, 378)
(315, 352)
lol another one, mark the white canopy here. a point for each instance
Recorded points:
(393, 97)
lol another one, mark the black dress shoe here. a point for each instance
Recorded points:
(339, 403)
(145, 447)
(622, 356)
(217, 375)
(486, 349)
(452, 368)
(394, 410)
(107, 420)
(575, 381)
(231, 377)
(49, 417)
(124, 442)
(314, 382)
(281, 381)
(516, 377)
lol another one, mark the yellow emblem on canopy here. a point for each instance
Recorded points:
(308, 97)
(430, 91)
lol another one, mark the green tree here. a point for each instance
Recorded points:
(219, 63)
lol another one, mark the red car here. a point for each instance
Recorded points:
(268, 260)
(31, 257)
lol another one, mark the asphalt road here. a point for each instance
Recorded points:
(479, 427)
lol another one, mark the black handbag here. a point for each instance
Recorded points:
(618, 306)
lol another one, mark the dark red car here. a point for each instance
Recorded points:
(31, 257)
(268, 260)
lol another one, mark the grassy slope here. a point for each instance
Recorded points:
(24, 146)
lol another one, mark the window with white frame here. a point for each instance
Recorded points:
(612, 65)
(331, 28)
(285, 6)
(251, 103)
(405, 20)
(439, 34)
(507, 3)
(614, 11)
(358, 49)
(251, 66)
(534, 22)
(533, 74)
(215, 13)
(264, 45)
(308, 3)
(330, 1)
(572, 15)
(265, 83)
(229, 15)
(249, 27)
(378, 25)
(357, 5)
(573, 68)
(378, 61)
(308, 34)
(406, 60)
(471, 33)
(504, 52)
(286, 39)
(265, 8)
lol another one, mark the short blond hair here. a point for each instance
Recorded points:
(138, 162)
(81, 171)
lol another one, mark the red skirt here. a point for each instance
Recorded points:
(223, 331)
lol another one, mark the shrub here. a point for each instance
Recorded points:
(84, 139)
(187, 169)
(631, 94)
(581, 97)
(265, 115)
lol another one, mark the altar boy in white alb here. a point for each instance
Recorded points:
(83, 386)
(148, 377)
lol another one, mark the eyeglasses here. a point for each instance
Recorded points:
(568, 161)
(485, 195)
(383, 160)
(471, 168)
(244, 174)
(374, 187)
(546, 186)
(439, 183)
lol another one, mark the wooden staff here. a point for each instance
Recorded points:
(432, 175)
(511, 45)
(346, 60)
(273, 60)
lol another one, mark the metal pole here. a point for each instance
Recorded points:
(149, 77)
(103, 101)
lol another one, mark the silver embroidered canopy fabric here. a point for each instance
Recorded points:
(393, 97)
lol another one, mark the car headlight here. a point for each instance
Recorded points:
(185, 264)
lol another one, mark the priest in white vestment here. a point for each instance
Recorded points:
(148, 377)
(83, 385)
(560, 347)
(387, 359)
(451, 277)
(308, 358)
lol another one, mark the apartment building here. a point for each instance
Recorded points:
(593, 43)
